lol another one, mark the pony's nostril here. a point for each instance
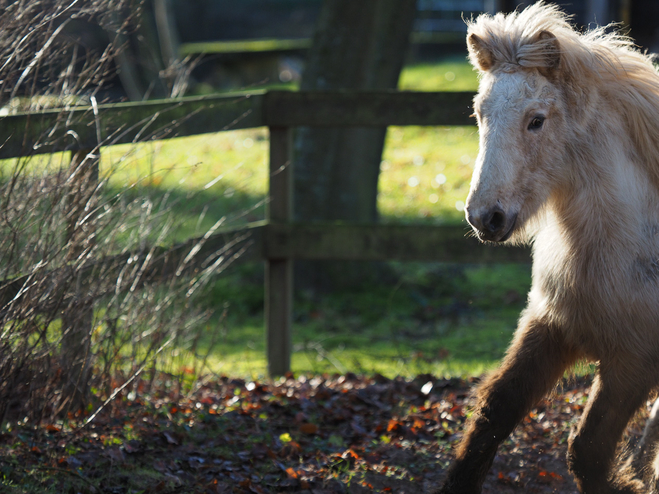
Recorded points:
(495, 222)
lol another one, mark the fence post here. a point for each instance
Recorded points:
(77, 317)
(279, 272)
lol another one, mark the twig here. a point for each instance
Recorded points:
(124, 385)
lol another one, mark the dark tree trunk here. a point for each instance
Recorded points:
(357, 45)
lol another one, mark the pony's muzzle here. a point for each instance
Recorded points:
(493, 224)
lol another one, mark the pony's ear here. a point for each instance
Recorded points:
(550, 52)
(479, 54)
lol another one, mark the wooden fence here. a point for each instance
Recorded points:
(277, 240)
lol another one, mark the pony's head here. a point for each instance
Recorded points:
(521, 116)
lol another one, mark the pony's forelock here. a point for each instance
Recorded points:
(514, 41)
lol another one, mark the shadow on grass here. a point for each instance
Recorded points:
(193, 213)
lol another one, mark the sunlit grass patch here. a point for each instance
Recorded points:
(469, 349)
(425, 173)
(451, 75)
(201, 162)
(206, 178)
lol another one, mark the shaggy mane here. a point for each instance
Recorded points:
(608, 62)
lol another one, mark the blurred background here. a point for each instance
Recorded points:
(253, 43)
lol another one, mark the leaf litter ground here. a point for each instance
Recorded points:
(323, 434)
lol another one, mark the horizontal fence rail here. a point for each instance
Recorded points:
(266, 240)
(278, 240)
(367, 109)
(382, 242)
(50, 131)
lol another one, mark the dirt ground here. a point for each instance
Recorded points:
(312, 434)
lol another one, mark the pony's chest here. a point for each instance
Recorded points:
(601, 298)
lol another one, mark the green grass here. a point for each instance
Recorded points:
(448, 320)
(206, 177)
(426, 172)
(454, 74)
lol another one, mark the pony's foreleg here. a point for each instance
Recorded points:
(533, 364)
(614, 397)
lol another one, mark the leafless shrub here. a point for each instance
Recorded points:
(90, 296)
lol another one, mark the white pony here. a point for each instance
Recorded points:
(569, 162)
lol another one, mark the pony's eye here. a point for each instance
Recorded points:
(536, 123)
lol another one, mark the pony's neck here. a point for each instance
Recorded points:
(604, 201)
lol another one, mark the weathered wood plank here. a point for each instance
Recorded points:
(279, 270)
(384, 242)
(367, 109)
(261, 240)
(78, 128)
(78, 318)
